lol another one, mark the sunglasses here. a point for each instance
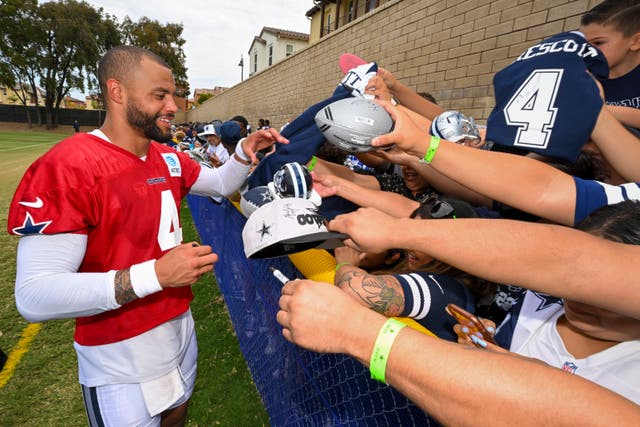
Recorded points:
(442, 210)
(436, 208)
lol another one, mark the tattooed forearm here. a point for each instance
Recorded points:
(123, 287)
(380, 293)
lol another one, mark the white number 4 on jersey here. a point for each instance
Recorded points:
(169, 230)
(531, 108)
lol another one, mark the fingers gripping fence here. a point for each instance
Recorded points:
(298, 387)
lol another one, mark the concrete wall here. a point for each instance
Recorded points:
(449, 48)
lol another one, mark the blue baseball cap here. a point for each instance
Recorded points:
(230, 133)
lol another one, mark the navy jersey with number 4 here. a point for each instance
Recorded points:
(546, 102)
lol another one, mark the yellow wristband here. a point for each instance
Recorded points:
(434, 143)
(382, 348)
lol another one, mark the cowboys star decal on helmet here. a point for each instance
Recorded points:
(455, 127)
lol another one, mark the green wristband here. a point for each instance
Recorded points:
(382, 348)
(312, 163)
(434, 143)
(342, 264)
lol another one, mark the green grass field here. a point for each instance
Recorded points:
(43, 389)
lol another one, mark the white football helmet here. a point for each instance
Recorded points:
(455, 127)
(293, 180)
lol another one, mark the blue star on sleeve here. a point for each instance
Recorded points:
(31, 227)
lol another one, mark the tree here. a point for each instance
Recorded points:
(76, 36)
(165, 41)
(19, 41)
(204, 97)
(57, 45)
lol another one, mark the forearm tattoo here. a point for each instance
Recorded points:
(380, 293)
(123, 287)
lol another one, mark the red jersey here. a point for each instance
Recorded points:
(129, 210)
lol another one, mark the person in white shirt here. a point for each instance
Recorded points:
(218, 154)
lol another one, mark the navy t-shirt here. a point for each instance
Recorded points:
(425, 297)
(623, 91)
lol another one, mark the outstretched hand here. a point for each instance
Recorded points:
(261, 139)
(324, 184)
(321, 317)
(184, 264)
(406, 134)
(369, 230)
(376, 86)
(351, 256)
(465, 330)
(388, 78)
(396, 156)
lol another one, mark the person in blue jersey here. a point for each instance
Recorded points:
(546, 100)
(613, 26)
(420, 287)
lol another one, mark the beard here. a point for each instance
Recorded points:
(147, 123)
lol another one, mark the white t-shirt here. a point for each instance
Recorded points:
(616, 368)
(220, 151)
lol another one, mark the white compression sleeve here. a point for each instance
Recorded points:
(48, 285)
(222, 181)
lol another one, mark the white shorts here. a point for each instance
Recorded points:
(124, 404)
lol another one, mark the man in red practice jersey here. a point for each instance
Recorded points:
(102, 242)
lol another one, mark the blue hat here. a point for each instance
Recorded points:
(230, 133)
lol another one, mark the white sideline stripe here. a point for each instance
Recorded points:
(21, 147)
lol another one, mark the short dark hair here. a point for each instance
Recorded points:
(619, 222)
(118, 62)
(623, 15)
(428, 97)
(240, 119)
